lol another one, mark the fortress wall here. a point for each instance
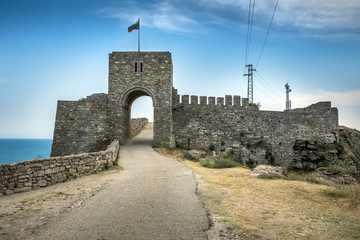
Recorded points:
(81, 126)
(136, 125)
(248, 133)
(33, 174)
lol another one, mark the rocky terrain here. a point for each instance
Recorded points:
(349, 155)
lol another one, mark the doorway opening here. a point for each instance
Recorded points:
(141, 108)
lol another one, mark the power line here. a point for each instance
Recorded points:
(267, 34)
(249, 32)
(267, 88)
(267, 95)
(268, 85)
(247, 36)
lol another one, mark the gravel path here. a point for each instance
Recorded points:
(154, 197)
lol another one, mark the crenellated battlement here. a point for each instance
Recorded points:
(234, 101)
(227, 101)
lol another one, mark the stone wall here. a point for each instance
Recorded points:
(136, 125)
(81, 126)
(227, 124)
(33, 174)
(264, 137)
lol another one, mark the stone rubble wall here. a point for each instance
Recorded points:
(136, 125)
(33, 174)
(263, 137)
(81, 126)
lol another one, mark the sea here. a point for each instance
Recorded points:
(15, 150)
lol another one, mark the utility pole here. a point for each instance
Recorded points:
(250, 82)
(288, 102)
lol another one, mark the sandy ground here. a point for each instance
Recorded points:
(24, 213)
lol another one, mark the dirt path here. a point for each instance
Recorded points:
(154, 197)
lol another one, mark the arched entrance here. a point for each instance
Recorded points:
(136, 74)
(126, 102)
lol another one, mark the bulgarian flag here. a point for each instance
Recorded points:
(134, 26)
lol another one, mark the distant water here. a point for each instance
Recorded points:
(15, 150)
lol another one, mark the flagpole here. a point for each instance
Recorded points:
(139, 36)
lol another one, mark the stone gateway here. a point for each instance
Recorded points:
(225, 124)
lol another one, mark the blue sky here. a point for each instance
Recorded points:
(58, 50)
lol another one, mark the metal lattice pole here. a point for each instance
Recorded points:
(288, 102)
(250, 93)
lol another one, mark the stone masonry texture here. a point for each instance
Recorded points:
(299, 138)
(136, 125)
(33, 174)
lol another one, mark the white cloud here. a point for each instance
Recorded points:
(320, 14)
(320, 17)
(349, 98)
(307, 14)
(3, 80)
(159, 15)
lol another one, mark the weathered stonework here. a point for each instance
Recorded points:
(81, 126)
(136, 125)
(227, 124)
(264, 137)
(127, 83)
(33, 174)
(92, 123)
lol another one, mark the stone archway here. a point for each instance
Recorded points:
(136, 74)
(126, 101)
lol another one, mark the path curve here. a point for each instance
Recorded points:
(154, 198)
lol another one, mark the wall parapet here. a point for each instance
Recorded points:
(36, 173)
(227, 101)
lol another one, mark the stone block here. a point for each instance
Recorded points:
(220, 101)
(228, 100)
(194, 100)
(185, 99)
(212, 101)
(42, 183)
(237, 100)
(203, 100)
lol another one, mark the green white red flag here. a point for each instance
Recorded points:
(134, 26)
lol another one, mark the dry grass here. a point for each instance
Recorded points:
(278, 208)
(172, 152)
(296, 207)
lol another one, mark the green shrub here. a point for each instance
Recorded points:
(254, 105)
(208, 163)
(270, 176)
(352, 193)
(115, 163)
(221, 163)
(350, 170)
(305, 177)
(334, 192)
(339, 147)
(250, 163)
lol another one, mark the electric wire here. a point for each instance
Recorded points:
(267, 94)
(267, 34)
(249, 33)
(247, 36)
(268, 85)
